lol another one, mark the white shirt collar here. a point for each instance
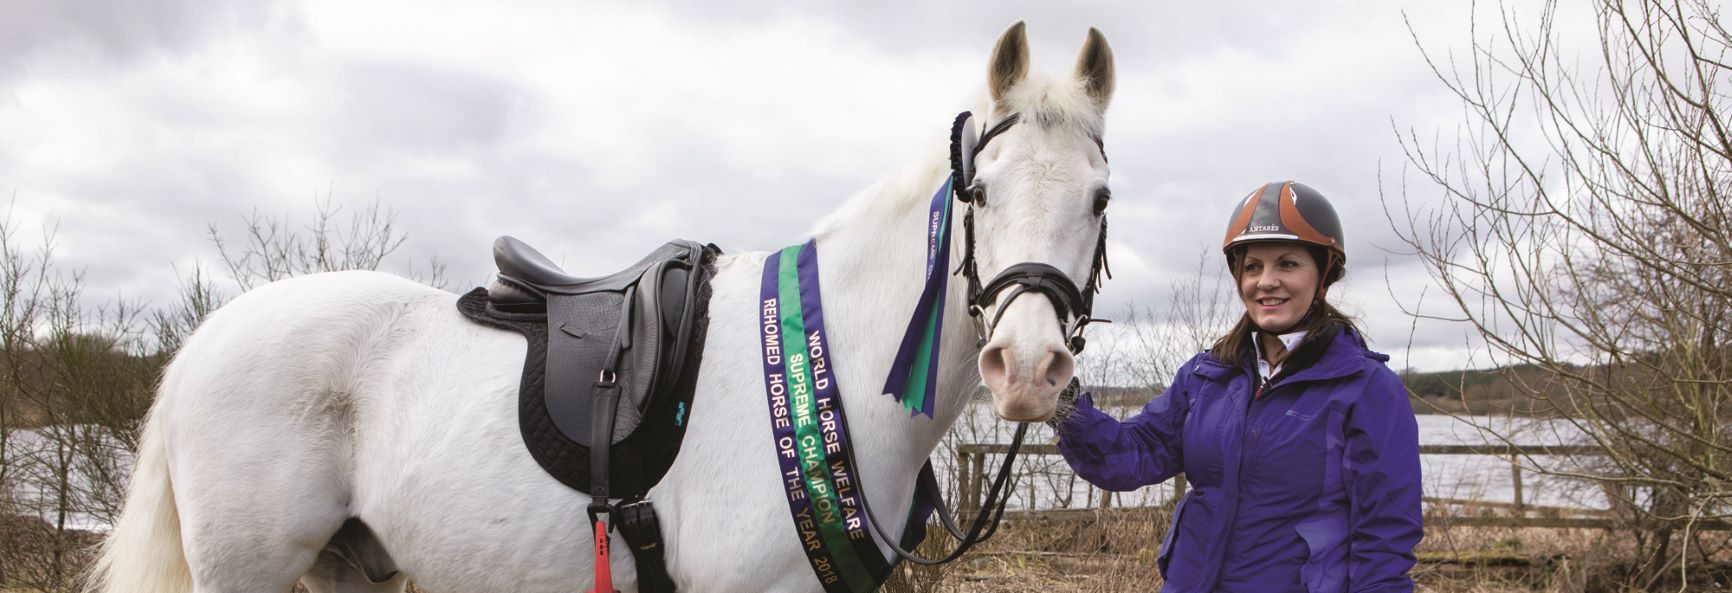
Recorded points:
(1289, 341)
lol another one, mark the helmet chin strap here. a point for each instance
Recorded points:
(1322, 295)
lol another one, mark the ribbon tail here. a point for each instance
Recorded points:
(937, 338)
(917, 394)
(909, 352)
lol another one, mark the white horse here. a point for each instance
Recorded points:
(311, 401)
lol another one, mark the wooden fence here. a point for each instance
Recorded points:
(973, 480)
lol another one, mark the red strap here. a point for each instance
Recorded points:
(603, 572)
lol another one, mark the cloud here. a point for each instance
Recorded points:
(58, 32)
(599, 130)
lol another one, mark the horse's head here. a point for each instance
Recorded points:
(1038, 195)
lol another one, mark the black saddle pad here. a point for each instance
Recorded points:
(636, 463)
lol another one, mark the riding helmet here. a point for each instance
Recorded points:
(1288, 211)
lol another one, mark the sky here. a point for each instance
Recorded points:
(598, 130)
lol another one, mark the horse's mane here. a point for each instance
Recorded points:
(1043, 100)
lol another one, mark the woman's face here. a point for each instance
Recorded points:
(1278, 281)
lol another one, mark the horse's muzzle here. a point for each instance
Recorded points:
(1026, 363)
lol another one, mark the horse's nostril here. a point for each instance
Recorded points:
(1056, 368)
(995, 364)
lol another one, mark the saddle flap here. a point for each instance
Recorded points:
(585, 334)
(634, 324)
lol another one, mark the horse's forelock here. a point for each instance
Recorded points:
(1046, 101)
(1054, 102)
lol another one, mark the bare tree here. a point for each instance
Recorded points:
(1584, 232)
(1199, 310)
(73, 381)
(20, 289)
(272, 249)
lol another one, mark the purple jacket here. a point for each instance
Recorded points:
(1312, 487)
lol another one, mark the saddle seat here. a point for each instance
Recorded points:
(526, 276)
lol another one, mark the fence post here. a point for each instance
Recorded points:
(977, 485)
(1178, 487)
(1031, 499)
(962, 478)
(1515, 470)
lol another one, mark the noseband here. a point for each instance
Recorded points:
(1068, 302)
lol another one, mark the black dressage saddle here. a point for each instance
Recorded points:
(628, 342)
(609, 373)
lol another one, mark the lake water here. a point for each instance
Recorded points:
(1051, 485)
(34, 465)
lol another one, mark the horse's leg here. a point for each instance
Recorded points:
(218, 504)
(354, 562)
(256, 508)
(331, 575)
(259, 418)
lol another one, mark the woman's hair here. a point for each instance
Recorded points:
(1232, 347)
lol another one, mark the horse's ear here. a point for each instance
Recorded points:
(1009, 62)
(1095, 68)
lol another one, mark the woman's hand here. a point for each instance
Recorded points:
(1066, 404)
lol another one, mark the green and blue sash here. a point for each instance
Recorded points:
(810, 429)
(806, 416)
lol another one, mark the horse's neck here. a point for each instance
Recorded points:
(872, 254)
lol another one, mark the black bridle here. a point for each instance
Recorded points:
(1067, 301)
(1028, 277)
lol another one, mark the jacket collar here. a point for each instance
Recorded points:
(1333, 353)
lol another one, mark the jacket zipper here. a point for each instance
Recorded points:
(1238, 476)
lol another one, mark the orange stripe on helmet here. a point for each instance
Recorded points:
(1291, 218)
(1243, 220)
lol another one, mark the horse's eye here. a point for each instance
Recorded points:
(977, 195)
(1102, 196)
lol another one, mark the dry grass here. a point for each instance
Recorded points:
(36, 557)
(1117, 553)
(1114, 554)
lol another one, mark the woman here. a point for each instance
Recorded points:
(1299, 444)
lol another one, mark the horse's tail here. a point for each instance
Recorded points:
(144, 551)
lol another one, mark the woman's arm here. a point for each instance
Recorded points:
(1384, 487)
(1123, 456)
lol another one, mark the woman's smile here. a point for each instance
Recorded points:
(1278, 282)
